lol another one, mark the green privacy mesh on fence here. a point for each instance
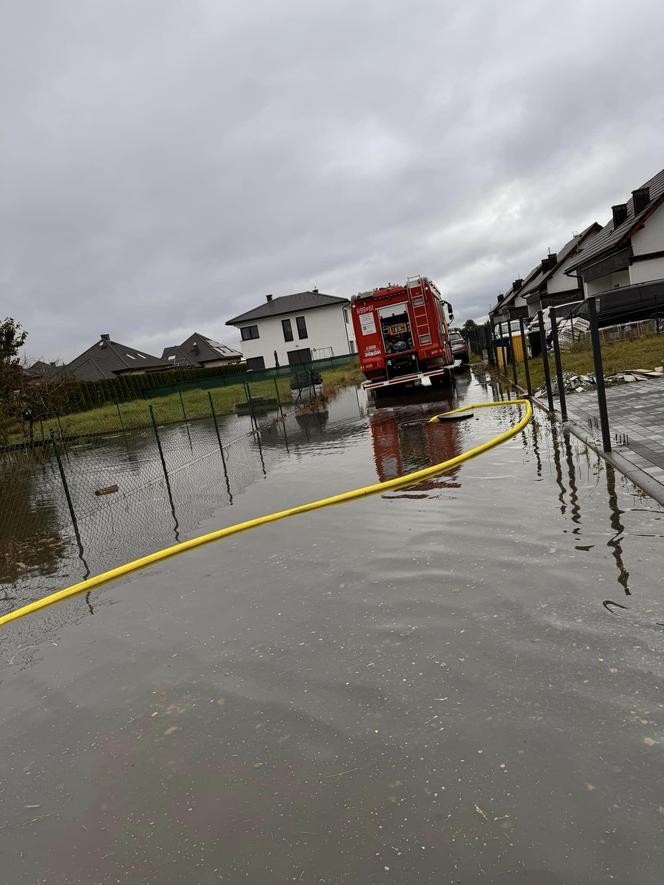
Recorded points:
(184, 401)
(256, 376)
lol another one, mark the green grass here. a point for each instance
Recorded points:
(168, 409)
(646, 352)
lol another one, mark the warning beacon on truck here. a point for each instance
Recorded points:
(402, 334)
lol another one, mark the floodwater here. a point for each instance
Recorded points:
(457, 682)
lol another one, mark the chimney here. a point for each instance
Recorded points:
(269, 297)
(619, 214)
(315, 291)
(103, 339)
(641, 198)
(500, 298)
(517, 284)
(550, 261)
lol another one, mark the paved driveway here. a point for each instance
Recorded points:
(636, 419)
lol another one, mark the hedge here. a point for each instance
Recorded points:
(78, 396)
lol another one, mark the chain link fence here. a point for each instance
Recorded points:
(74, 505)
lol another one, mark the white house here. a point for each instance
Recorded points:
(295, 329)
(547, 284)
(512, 304)
(628, 253)
(552, 285)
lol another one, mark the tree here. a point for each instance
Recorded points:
(469, 326)
(12, 339)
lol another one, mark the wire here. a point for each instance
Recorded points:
(373, 489)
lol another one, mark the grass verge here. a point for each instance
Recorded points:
(646, 352)
(172, 409)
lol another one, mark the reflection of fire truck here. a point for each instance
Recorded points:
(401, 334)
(404, 446)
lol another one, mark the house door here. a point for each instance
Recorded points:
(297, 357)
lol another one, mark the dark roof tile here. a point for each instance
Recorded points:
(106, 359)
(609, 237)
(287, 304)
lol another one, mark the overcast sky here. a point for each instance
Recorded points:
(164, 165)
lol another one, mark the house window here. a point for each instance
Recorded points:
(249, 332)
(301, 327)
(256, 362)
(288, 330)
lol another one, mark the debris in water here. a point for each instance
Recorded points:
(107, 490)
(481, 813)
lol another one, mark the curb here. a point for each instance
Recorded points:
(640, 478)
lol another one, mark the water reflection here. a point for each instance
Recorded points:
(568, 498)
(615, 542)
(404, 441)
(30, 536)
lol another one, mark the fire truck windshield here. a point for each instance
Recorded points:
(396, 333)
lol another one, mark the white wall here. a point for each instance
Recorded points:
(559, 281)
(651, 236)
(603, 284)
(326, 328)
(644, 271)
(649, 239)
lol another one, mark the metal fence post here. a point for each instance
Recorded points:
(250, 403)
(657, 314)
(168, 484)
(545, 359)
(63, 477)
(256, 430)
(503, 349)
(117, 406)
(186, 420)
(489, 338)
(559, 366)
(512, 355)
(524, 345)
(184, 413)
(276, 390)
(599, 375)
(221, 447)
(161, 451)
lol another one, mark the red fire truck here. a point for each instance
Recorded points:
(401, 334)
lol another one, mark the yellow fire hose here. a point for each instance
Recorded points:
(375, 488)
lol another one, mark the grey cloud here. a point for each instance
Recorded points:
(165, 165)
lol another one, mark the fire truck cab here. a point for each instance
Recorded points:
(402, 334)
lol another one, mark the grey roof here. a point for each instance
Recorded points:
(567, 250)
(610, 238)
(287, 304)
(178, 356)
(106, 359)
(197, 350)
(512, 293)
(41, 369)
